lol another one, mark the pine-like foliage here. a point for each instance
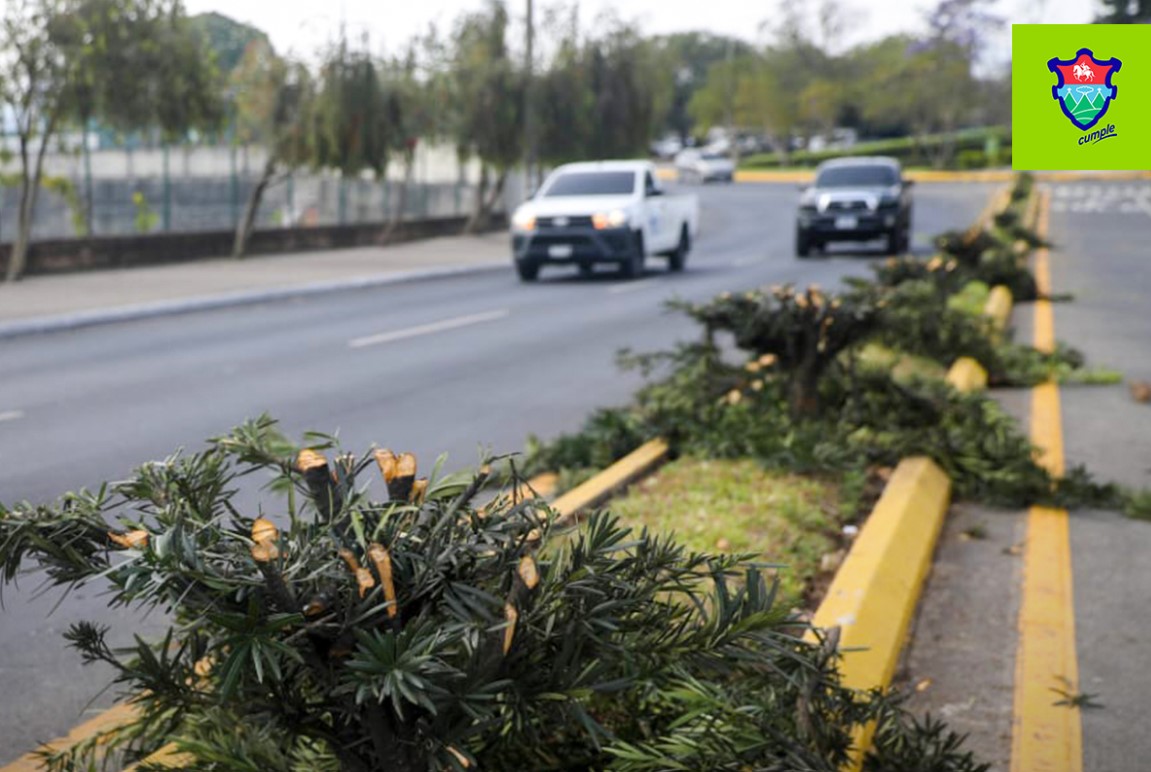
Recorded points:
(329, 630)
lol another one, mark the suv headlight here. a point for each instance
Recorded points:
(524, 221)
(807, 201)
(616, 218)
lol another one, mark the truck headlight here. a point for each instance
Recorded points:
(524, 221)
(616, 218)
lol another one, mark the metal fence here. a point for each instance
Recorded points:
(206, 188)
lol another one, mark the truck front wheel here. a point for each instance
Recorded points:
(632, 265)
(678, 258)
(528, 271)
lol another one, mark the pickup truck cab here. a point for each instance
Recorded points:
(603, 212)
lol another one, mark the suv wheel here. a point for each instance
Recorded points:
(802, 244)
(528, 271)
(895, 240)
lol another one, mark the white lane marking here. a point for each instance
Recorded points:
(11, 415)
(739, 262)
(428, 329)
(1102, 199)
(632, 286)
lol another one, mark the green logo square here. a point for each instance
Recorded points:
(1079, 96)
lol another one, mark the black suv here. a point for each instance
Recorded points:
(855, 199)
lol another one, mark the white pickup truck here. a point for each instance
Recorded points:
(603, 212)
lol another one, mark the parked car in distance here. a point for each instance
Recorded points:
(855, 199)
(666, 148)
(603, 212)
(704, 165)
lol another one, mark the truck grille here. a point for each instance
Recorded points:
(847, 206)
(581, 221)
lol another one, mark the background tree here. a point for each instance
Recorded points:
(488, 123)
(350, 120)
(1124, 12)
(772, 90)
(631, 90)
(415, 92)
(602, 95)
(687, 57)
(133, 64)
(564, 100)
(227, 38)
(938, 89)
(273, 99)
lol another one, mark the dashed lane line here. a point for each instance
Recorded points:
(428, 329)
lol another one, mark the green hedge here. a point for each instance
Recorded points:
(969, 150)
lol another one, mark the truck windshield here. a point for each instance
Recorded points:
(857, 176)
(592, 184)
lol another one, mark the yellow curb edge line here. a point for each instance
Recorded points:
(874, 594)
(619, 475)
(100, 723)
(1046, 736)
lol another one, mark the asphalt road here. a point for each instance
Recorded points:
(1101, 232)
(446, 365)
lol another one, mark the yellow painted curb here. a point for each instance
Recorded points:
(998, 306)
(874, 594)
(168, 756)
(752, 175)
(543, 485)
(619, 475)
(97, 725)
(966, 374)
(1046, 735)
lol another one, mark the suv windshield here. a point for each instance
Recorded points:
(592, 184)
(857, 176)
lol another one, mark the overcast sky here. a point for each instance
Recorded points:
(302, 26)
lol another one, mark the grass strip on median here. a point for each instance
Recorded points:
(737, 506)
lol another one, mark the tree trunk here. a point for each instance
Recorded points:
(29, 190)
(486, 199)
(248, 221)
(390, 750)
(18, 257)
(804, 386)
(397, 217)
(804, 393)
(473, 224)
(496, 194)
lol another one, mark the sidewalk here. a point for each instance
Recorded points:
(43, 303)
(963, 663)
